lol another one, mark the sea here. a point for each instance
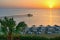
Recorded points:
(41, 16)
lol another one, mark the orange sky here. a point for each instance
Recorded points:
(30, 3)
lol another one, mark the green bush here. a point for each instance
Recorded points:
(30, 38)
(35, 38)
(3, 38)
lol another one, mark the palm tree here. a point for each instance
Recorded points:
(21, 26)
(8, 24)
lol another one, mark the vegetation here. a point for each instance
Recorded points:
(29, 38)
(8, 24)
(9, 27)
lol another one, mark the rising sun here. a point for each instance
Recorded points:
(51, 3)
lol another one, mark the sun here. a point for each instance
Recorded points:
(51, 3)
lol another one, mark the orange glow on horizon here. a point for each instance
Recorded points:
(31, 3)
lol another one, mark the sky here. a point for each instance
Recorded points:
(30, 3)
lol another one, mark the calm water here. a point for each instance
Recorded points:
(40, 16)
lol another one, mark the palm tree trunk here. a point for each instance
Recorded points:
(9, 36)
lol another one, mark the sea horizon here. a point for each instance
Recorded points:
(40, 16)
